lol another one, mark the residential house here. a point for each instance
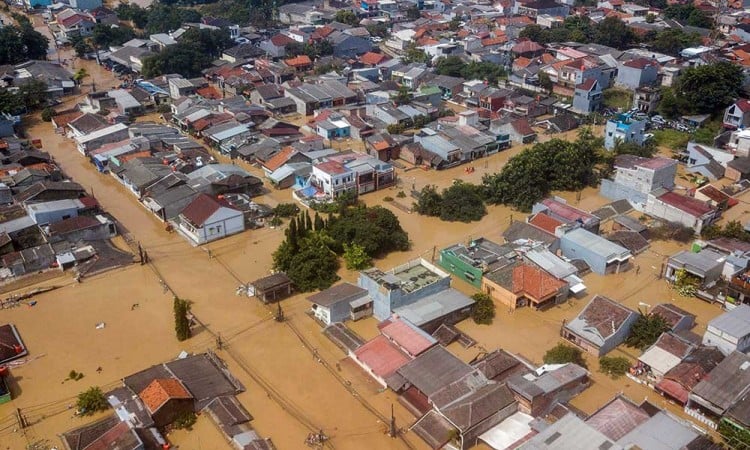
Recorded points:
(677, 208)
(72, 24)
(138, 174)
(541, 390)
(446, 307)
(398, 343)
(332, 179)
(737, 115)
(730, 331)
(677, 383)
(340, 303)
(538, 8)
(645, 426)
(347, 46)
(636, 73)
(207, 219)
(677, 318)
(666, 353)
(335, 126)
(470, 262)
(569, 432)
(624, 128)
(518, 130)
(587, 97)
(11, 344)
(271, 288)
(703, 160)
(646, 99)
(601, 326)
(519, 285)
(275, 47)
(59, 80)
(92, 141)
(396, 288)
(301, 63)
(706, 266)
(559, 210)
(717, 393)
(81, 228)
(636, 177)
(110, 431)
(713, 196)
(738, 169)
(327, 94)
(601, 255)
(45, 213)
(166, 399)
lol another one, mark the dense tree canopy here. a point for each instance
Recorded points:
(689, 15)
(376, 229)
(157, 18)
(347, 17)
(672, 40)
(708, 88)
(29, 96)
(461, 202)
(454, 66)
(195, 51)
(563, 354)
(314, 265)
(105, 35)
(21, 43)
(554, 165)
(646, 330)
(611, 31)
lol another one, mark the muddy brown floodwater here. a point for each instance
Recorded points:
(289, 391)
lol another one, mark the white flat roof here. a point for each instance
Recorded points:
(508, 432)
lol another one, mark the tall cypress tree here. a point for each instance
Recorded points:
(319, 224)
(292, 234)
(308, 221)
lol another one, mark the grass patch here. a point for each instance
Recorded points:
(618, 98)
(673, 139)
(705, 135)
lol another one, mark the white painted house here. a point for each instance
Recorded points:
(207, 219)
(730, 331)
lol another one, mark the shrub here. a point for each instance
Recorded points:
(401, 194)
(286, 210)
(563, 353)
(484, 309)
(91, 401)
(356, 258)
(181, 322)
(387, 199)
(185, 421)
(614, 366)
(646, 330)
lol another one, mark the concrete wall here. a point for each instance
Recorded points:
(499, 294)
(461, 269)
(615, 191)
(222, 223)
(725, 343)
(659, 209)
(633, 78)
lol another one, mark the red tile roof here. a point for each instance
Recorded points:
(545, 222)
(200, 209)
(406, 336)
(381, 357)
(281, 40)
(673, 389)
(522, 127)
(161, 390)
(714, 194)
(640, 63)
(372, 58)
(689, 205)
(587, 84)
(526, 47)
(209, 92)
(567, 212)
(332, 167)
(743, 105)
(534, 282)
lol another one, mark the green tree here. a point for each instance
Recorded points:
(709, 88)
(318, 222)
(613, 32)
(686, 283)
(208, 41)
(429, 202)
(545, 82)
(735, 436)
(314, 266)
(378, 29)
(91, 401)
(376, 229)
(80, 45)
(47, 114)
(462, 202)
(483, 311)
(133, 13)
(689, 15)
(671, 106)
(185, 421)
(10, 102)
(563, 354)
(33, 94)
(286, 210)
(347, 17)
(21, 43)
(452, 66)
(414, 54)
(106, 35)
(182, 58)
(614, 366)
(80, 75)
(646, 330)
(672, 40)
(647, 150)
(181, 310)
(455, 24)
(356, 257)
(403, 96)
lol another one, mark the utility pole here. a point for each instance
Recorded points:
(219, 342)
(279, 314)
(392, 428)
(140, 253)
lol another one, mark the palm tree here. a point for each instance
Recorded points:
(80, 75)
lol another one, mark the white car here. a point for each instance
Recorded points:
(242, 40)
(376, 39)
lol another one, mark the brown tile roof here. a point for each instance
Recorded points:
(534, 282)
(281, 40)
(200, 209)
(605, 315)
(617, 418)
(671, 313)
(279, 159)
(161, 390)
(73, 224)
(301, 60)
(640, 63)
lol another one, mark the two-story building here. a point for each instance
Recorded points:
(737, 115)
(637, 73)
(587, 97)
(624, 128)
(635, 177)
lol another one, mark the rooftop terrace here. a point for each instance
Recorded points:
(408, 277)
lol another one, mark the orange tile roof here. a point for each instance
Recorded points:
(494, 41)
(545, 222)
(521, 62)
(160, 391)
(279, 159)
(534, 282)
(301, 60)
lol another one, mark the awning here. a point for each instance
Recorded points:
(673, 389)
(360, 302)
